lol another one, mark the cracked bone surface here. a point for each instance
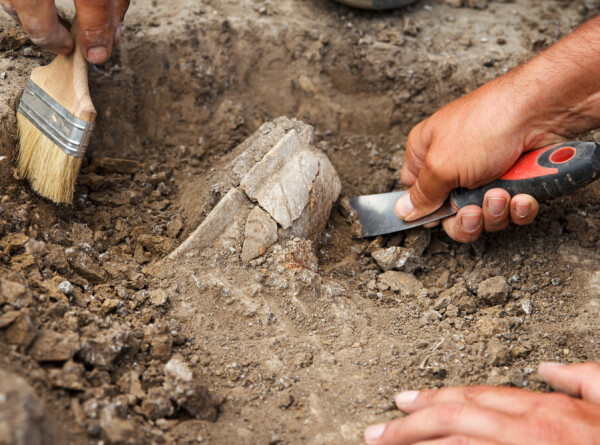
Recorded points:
(280, 186)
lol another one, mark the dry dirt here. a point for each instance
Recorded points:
(120, 346)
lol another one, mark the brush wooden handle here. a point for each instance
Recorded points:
(65, 79)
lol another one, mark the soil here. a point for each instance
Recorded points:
(123, 347)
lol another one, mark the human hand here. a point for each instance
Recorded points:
(485, 415)
(99, 23)
(469, 143)
(476, 139)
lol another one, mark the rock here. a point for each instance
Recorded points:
(17, 328)
(418, 239)
(156, 405)
(70, 376)
(162, 346)
(130, 383)
(21, 413)
(277, 180)
(159, 245)
(490, 326)
(85, 266)
(280, 182)
(494, 291)
(11, 292)
(12, 242)
(52, 346)
(104, 347)
(404, 283)
(110, 305)
(116, 431)
(66, 287)
(184, 390)
(158, 297)
(398, 258)
(232, 209)
(498, 354)
(174, 227)
(260, 234)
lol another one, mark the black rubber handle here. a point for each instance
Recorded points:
(544, 173)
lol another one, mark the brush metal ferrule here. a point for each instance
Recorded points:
(67, 131)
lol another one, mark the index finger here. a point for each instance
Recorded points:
(507, 400)
(96, 28)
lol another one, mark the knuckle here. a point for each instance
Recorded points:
(473, 393)
(448, 413)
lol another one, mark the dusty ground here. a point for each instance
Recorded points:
(89, 317)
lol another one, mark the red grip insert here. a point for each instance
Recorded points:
(528, 167)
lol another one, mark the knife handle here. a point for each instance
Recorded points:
(544, 173)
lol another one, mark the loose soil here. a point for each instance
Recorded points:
(89, 316)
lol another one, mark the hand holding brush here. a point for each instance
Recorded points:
(55, 119)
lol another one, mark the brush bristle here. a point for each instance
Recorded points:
(51, 172)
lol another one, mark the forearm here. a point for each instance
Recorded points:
(559, 90)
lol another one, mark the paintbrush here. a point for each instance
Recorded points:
(55, 119)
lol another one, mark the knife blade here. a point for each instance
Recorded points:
(544, 173)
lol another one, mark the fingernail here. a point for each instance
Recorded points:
(404, 206)
(406, 398)
(470, 222)
(374, 432)
(552, 364)
(97, 54)
(496, 206)
(522, 210)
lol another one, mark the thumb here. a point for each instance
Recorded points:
(426, 195)
(580, 380)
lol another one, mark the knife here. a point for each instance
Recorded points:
(544, 173)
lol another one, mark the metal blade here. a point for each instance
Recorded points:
(377, 217)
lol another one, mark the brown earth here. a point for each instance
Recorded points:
(123, 350)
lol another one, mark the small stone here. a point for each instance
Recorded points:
(11, 292)
(104, 347)
(158, 297)
(130, 383)
(526, 306)
(17, 328)
(174, 227)
(66, 287)
(70, 376)
(494, 291)
(418, 239)
(156, 405)
(162, 346)
(157, 244)
(490, 326)
(404, 283)
(398, 258)
(52, 346)
(498, 354)
(187, 393)
(85, 266)
(111, 305)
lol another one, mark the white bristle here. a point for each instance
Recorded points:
(51, 172)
